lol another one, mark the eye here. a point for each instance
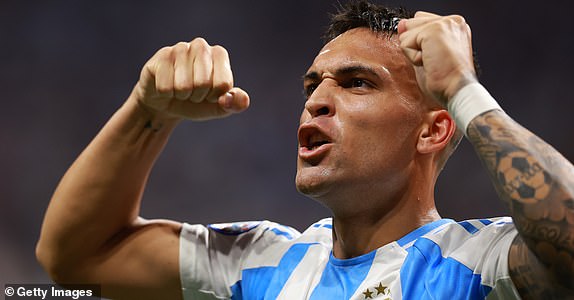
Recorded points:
(309, 89)
(356, 82)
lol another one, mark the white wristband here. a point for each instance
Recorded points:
(469, 102)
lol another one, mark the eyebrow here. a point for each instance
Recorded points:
(346, 70)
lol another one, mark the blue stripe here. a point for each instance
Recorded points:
(323, 225)
(415, 234)
(236, 293)
(342, 277)
(269, 281)
(425, 274)
(286, 234)
(469, 227)
(253, 284)
(485, 221)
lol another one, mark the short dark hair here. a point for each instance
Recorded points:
(361, 13)
(378, 18)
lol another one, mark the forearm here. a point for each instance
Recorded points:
(100, 194)
(536, 182)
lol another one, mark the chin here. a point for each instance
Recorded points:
(312, 185)
(307, 188)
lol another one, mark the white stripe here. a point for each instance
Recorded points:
(269, 256)
(385, 269)
(306, 275)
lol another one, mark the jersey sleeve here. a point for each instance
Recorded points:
(212, 257)
(464, 260)
(493, 264)
(484, 250)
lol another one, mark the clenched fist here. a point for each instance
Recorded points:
(440, 47)
(190, 80)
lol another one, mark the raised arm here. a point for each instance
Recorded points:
(535, 181)
(91, 231)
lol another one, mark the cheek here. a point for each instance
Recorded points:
(380, 137)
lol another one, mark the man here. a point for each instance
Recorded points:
(373, 137)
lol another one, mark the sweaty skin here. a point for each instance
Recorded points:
(382, 139)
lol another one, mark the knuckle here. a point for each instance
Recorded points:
(219, 50)
(202, 84)
(222, 87)
(199, 40)
(183, 84)
(180, 47)
(199, 43)
(163, 89)
(458, 19)
(201, 51)
(164, 51)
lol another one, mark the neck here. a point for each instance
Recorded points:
(363, 231)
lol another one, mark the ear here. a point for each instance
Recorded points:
(436, 133)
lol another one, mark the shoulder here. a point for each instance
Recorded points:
(218, 257)
(254, 228)
(472, 227)
(237, 240)
(475, 252)
(455, 234)
(466, 238)
(249, 233)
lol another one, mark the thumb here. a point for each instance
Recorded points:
(235, 100)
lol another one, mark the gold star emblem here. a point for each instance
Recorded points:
(368, 294)
(381, 289)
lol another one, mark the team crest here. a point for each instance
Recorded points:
(234, 228)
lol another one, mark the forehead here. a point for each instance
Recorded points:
(362, 46)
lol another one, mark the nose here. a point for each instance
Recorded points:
(321, 103)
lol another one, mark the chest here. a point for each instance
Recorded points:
(310, 272)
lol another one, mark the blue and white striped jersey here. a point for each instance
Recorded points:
(264, 260)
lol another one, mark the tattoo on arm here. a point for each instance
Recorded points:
(537, 183)
(532, 278)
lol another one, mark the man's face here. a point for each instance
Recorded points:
(361, 120)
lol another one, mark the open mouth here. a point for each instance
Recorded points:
(316, 142)
(312, 138)
(312, 142)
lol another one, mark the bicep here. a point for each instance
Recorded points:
(141, 262)
(532, 279)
